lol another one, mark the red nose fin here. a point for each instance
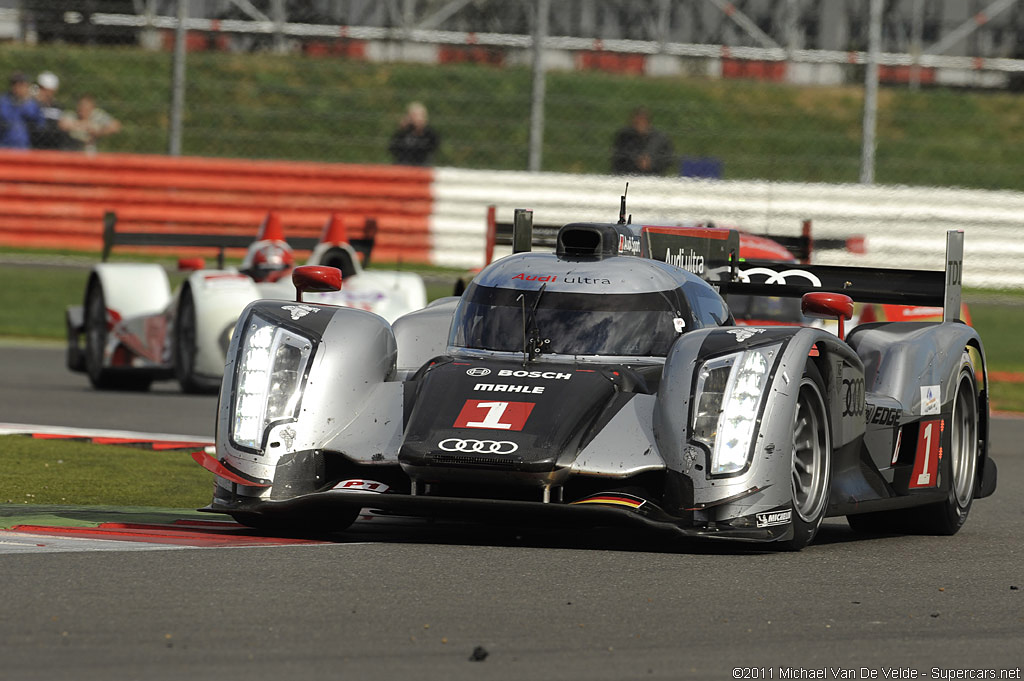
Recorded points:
(270, 228)
(334, 231)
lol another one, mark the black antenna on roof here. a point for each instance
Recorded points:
(622, 206)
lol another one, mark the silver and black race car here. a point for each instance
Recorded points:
(606, 384)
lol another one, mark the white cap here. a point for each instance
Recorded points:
(48, 80)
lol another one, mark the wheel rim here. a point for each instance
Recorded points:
(810, 453)
(964, 441)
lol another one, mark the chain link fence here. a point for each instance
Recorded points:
(767, 89)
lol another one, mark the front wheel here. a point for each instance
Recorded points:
(812, 460)
(184, 349)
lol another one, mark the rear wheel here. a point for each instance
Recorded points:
(96, 332)
(184, 348)
(811, 462)
(945, 517)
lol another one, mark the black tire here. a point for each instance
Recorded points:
(945, 517)
(811, 461)
(299, 525)
(184, 349)
(103, 378)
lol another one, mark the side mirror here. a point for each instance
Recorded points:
(828, 306)
(315, 279)
(191, 264)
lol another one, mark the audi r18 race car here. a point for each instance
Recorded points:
(607, 384)
(131, 330)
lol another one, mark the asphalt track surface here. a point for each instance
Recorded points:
(413, 602)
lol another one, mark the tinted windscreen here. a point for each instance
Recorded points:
(638, 324)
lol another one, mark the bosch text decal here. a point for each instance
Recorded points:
(517, 373)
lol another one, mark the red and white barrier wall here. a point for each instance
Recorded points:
(904, 226)
(437, 216)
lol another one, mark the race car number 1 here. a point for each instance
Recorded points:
(494, 415)
(929, 451)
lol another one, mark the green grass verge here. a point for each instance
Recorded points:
(76, 473)
(299, 107)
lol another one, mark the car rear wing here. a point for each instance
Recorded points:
(713, 255)
(802, 246)
(112, 237)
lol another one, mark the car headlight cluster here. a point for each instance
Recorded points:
(727, 401)
(272, 363)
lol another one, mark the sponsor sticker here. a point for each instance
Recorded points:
(523, 276)
(629, 244)
(745, 333)
(691, 261)
(478, 371)
(772, 518)
(784, 277)
(929, 451)
(299, 311)
(455, 444)
(357, 485)
(885, 416)
(931, 398)
(494, 415)
(517, 373)
(509, 388)
(853, 396)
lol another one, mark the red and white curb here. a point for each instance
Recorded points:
(156, 441)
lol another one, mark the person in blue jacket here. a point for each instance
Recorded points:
(19, 114)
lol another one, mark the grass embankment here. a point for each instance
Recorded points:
(340, 110)
(76, 473)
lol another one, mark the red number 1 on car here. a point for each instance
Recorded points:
(494, 415)
(929, 451)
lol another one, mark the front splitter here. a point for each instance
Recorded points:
(525, 513)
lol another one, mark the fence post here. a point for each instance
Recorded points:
(867, 149)
(540, 32)
(178, 82)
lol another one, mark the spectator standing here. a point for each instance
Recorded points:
(19, 114)
(48, 135)
(640, 149)
(88, 124)
(415, 142)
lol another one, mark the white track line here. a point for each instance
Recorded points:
(28, 429)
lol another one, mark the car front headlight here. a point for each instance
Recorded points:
(727, 404)
(272, 364)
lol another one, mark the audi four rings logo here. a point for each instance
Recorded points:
(454, 444)
(478, 371)
(774, 277)
(853, 396)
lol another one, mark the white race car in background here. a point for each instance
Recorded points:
(132, 330)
